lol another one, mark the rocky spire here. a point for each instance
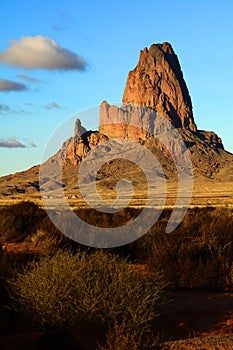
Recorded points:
(157, 82)
(78, 129)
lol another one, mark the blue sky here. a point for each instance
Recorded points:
(100, 42)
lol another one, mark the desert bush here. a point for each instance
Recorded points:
(209, 221)
(19, 221)
(230, 277)
(198, 254)
(50, 242)
(9, 263)
(46, 225)
(47, 242)
(122, 337)
(68, 292)
(190, 264)
(101, 219)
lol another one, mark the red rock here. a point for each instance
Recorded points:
(157, 82)
(155, 87)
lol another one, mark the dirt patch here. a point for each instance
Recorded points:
(19, 247)
(196, 314)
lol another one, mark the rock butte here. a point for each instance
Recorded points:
(157, 82)
(155, 87)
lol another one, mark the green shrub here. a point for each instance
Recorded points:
(70, 292)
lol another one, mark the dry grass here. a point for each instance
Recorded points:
(208, 343)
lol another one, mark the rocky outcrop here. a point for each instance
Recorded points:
(157, 82)
(76, 148)
(131, 121)
(79, 130)
(155, 87)
(155, 98)
(210, 138)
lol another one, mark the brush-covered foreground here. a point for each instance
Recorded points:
(74, 297)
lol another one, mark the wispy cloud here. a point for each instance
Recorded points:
(5, 109)
(53, 105)
(28, 143)
(28, 79)
(40, 52)
(9, 85)
(15, 143)
(57, 28)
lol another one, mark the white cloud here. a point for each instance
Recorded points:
(14, 143)
(8, 85)
(40, 52)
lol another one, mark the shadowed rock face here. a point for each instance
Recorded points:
(131, 121)
(76, 148)
(157, 82)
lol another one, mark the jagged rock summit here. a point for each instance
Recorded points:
(156, 86)
(157, 82)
